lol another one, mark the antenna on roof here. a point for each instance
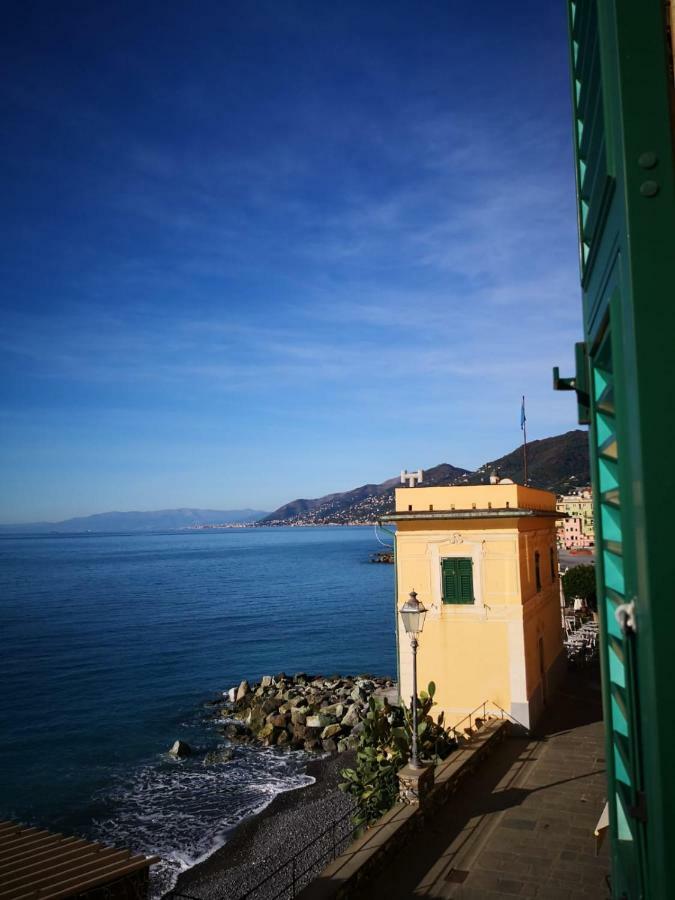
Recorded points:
(411, 477)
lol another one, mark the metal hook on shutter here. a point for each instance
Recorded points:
(625, 616)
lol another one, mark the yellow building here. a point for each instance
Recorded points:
(483, 561)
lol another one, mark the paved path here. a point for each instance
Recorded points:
(522, 825)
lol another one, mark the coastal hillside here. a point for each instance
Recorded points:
(556, 464)
(157, 520)
(363, 501)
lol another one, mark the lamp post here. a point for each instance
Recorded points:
(413, 612)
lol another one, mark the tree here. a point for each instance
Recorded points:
(579, 581)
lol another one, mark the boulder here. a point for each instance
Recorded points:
(358, 694)
(329, 745)
(335, 709)
(295, 702)
(330, 731)
(276, 720)
(266, 681)
(255, 719)
(232, 694)
(270, 705)
(268, 734)
(222, 755)
(312, 744)
(298, 716)
(283, 739)
(243, 690)
(232, 730)
(320, 721)
(351, 717)
(312, 733)
(180, 750)
(299, 731)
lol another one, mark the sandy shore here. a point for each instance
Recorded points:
(260, 844)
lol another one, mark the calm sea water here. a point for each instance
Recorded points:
(112, 643)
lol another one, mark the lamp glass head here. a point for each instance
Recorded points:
(413, 612)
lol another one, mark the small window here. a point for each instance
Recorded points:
(508, 504)
(473, 506)
(537, 573)
(410, 508)
(457, 580)
(431, 507)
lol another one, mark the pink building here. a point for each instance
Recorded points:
(571, 534)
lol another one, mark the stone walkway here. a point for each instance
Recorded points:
(522, 825)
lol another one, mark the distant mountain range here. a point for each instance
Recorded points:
(159, 520)
(557, 464)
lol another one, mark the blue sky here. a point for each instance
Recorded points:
(260, 250)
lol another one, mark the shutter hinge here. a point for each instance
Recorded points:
(625, 616)
(580, 383)
(639, 810)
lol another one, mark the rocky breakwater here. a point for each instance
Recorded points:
(302, 712)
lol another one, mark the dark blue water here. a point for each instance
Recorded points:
(112, 643)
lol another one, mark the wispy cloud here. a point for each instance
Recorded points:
(354, 251)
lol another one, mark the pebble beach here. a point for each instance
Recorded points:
(268, 841)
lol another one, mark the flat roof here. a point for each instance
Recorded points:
(43, 865)
(514, 513)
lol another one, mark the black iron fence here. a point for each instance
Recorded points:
(286, 880)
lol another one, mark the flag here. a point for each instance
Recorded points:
(522, 416)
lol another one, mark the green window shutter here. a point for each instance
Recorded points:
(449, 581)
(457, 580)
(465, 578)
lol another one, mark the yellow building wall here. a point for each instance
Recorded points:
(489, 650)
(466, 497)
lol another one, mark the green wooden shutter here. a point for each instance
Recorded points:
(594, 184)
(624, 150)
(449, 581)
(465, 580)
(457, 580)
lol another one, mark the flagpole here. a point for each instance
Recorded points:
(524, 424)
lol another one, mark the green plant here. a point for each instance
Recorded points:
(384, 747)
(579, 581)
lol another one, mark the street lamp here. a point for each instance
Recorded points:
(413, 613)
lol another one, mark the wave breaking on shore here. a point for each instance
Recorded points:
(183, 811)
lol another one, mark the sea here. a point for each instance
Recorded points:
(111, 646)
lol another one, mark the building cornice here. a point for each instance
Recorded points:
(516, 513)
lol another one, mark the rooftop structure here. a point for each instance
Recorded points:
(43, 865)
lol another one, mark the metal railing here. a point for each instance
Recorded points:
(487, 707)
(296, 872)
(471, 718)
